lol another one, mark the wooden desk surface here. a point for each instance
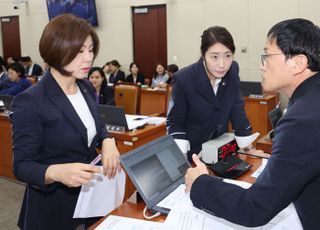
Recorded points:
(264, 144)
(128, 209)
(6, 153)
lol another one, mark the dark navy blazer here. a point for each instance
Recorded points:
(47, 130)
(197, 114)
(292, 174)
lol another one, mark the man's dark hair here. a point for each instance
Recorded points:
(298, 36)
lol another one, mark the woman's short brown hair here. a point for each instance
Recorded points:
(62, 40)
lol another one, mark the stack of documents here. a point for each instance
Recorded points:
(185, 216)
(135, 121)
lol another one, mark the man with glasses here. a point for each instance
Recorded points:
(290, 65)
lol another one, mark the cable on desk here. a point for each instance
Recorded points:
(149, 217)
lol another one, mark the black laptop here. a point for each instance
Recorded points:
(251, 89)
(274, 117)
(156, 169)
(7, 101)
(114, 117)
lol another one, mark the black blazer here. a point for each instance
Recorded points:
(47, 130)
(197, 114)
(140, 79)
(120, 76)
(106, 95)
(36, 71)
(292, 173)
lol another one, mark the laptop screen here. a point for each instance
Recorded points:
(274, 116)
(156, 169)
(113, 115)
(7, 101)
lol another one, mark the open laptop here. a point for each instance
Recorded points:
(274, 116)
(7, 101)
(114, 117)
(156, 169)
(251, 88)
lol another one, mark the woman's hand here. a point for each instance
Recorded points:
(71, 174)
(110, 158)
(193, 173)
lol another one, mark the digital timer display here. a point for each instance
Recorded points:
(227, 149)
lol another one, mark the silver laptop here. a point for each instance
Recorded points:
(156, 169)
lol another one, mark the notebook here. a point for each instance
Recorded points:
(156, 169)
(114, 117)
(7, 101)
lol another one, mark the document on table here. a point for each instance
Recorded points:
(187, 217)
(260, 169)
(135, 121)
(121, 223)
(100, 196)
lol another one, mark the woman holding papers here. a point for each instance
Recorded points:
(206, 96)
(56, 129)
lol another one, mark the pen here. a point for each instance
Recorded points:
(96, 160)
(265, 156)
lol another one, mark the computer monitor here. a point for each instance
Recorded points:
(249, 88)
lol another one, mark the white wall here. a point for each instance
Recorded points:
(247, 20)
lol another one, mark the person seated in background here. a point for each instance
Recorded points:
(116, 74)
(104, 93)
(3, 74)
(171, 69)
(31, 68)
(160, 77)
(107, 70)
(11, 60)
(135, 76)
(18, 81)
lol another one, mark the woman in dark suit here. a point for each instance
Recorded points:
(104, 93)
(116, 75)
(16, 82)
(206, 96)
(56, 129)
(135, 76)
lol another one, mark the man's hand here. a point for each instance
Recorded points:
(193, 173)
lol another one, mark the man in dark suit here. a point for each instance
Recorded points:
(31, 68)
(290, 66)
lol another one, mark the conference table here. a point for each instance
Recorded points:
(135, 210)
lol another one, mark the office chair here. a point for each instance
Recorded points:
(127, 96)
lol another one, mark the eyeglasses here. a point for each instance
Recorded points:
(265, 56)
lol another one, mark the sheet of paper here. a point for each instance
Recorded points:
(245, 141)
(242, 184)
(260, 169)
(155, 120)
(100, 196)
(125, 223)
(176, 196)
(184, 215)
(135, 121)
